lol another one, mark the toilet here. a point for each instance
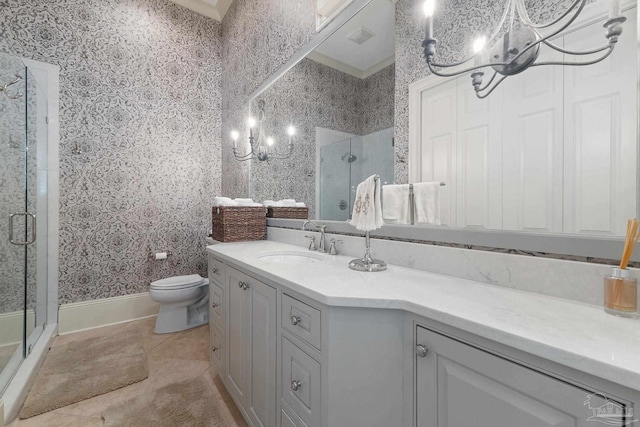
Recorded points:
(183, 303)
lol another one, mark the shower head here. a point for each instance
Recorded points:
(351, 157)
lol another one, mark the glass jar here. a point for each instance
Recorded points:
(620, 293)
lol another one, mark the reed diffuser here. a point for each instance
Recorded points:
(620, 289)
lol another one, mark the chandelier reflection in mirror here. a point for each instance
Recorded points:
(261, 147)
(516, 42)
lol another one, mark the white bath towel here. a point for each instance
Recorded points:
(395, 204)
(223, 201)
(367, 209)
(300, 205)
(268, 203)
(288, 203)
(427, 202)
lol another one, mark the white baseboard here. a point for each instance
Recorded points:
(11, 326)
(80, 316)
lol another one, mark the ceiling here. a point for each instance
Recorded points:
(212, 8)
(362, 60)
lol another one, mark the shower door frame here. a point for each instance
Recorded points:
(47, 77)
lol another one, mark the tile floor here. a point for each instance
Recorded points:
(172, 357)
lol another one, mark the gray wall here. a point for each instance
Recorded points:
(140, 96)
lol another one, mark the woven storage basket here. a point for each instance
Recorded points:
(238, 223)
(292, 213)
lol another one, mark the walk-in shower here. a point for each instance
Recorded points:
(28, 257)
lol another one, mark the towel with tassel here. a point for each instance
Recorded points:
(427, 202)
(367, 209)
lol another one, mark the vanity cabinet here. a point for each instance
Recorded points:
(458, 385)
(216, 313)
(251, 346)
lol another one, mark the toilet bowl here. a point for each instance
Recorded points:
(183, 303)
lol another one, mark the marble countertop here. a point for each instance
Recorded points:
(581, 336)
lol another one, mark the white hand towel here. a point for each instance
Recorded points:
(367, 209)
(268, 203)
(223, 201)
(427, 202)
(288, 203)
(300, 205)
(395, 204)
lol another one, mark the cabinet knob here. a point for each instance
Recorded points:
(214, 305)
(243, 285)
(295, 320)
(295, 385)
(213, 349)
(214, 270)
(421, 350)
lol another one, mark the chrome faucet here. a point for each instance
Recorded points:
(322, 228)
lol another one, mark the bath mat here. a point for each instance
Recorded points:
(189, 403)
(86, 368)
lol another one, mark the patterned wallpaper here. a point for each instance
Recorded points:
(141, 98)
(258, 37)
(310, 95)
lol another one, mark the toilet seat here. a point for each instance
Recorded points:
(177, 282)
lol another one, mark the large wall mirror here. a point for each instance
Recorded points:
(552, 152)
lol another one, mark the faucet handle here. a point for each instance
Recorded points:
(332, 246)
(312, 242)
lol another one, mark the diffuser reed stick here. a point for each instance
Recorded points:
(630, 242)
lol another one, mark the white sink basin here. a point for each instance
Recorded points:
(291, 257)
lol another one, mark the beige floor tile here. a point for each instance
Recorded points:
(233, 415)
(192, 344)
(65, 339)
(151, 339)
(53, 419)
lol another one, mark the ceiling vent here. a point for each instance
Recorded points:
(361, 35)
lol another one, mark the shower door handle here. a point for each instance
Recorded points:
(33, 228)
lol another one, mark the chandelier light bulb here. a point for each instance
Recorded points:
(251, 122)
(270, 141)
(429, 7)
(291, 131)
(479, 44)
(235, 135)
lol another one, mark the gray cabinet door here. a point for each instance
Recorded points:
(238, 339)
(461, 386)
(263, 403)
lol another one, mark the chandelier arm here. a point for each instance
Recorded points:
(562, 50)
(483, 96)
(495, 73)
(457, 73)
(595, 61)
(524, 15)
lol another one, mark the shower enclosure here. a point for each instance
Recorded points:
(347, 162)
(24, 176)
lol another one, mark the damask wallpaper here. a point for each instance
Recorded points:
(140, 98)
(311, 95)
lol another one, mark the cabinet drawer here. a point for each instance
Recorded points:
(301, 383)
(216, 299)
(216, 348)
(301, 320)
(216, 271)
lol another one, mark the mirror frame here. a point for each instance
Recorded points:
(599, 247)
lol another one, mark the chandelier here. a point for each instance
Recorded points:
(261, 147)
(518, 48)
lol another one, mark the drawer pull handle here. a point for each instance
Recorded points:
(295, 385)
(213, 349)
(214, 305)
(243, 285)
(214, 270)
(295, 320)
(421, 350)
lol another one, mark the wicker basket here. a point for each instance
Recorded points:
(238, 223)
(292, 213)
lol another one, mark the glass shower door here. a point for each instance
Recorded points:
(15, 230)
